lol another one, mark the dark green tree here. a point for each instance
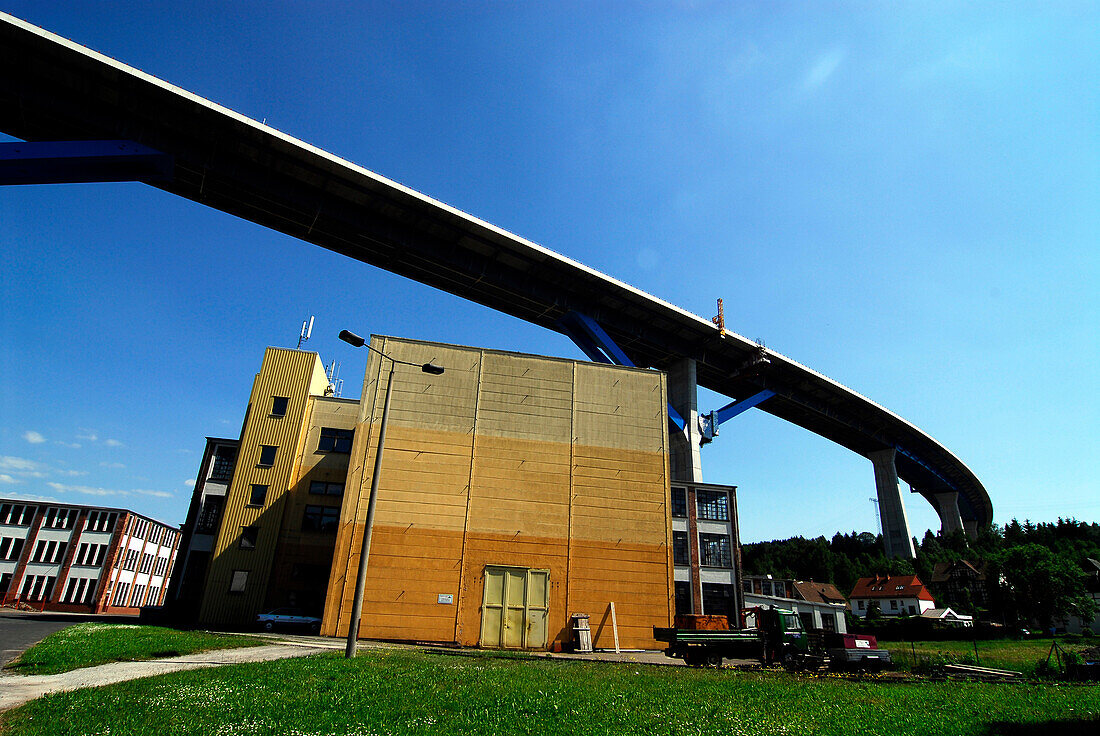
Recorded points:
(1040, 586)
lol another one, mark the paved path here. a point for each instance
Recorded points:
(18, 689)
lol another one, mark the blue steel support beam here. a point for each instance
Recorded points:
(729, 411)
(76, 162)
(580, 325)
(600, 348)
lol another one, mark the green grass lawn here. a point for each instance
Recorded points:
(85, 645)
(1021, 655)
(411, 692)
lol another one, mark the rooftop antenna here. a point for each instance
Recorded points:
(307, 330)
(335, 383)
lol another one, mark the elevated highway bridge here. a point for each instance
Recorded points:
(59, 97)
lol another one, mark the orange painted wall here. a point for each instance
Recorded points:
(515, 460)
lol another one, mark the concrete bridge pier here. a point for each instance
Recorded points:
(685, 460)
(895, 526)
(947, 506)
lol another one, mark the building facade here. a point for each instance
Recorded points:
(83, 559)
(895, 595)
(274, 543)
(705, 549)
(200, 529)
(515, 491)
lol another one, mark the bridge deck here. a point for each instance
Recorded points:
(54, 89)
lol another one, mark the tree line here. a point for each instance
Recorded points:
(1036, 574)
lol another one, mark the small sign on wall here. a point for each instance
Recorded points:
(446, 598)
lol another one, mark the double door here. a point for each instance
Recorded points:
(514, 608)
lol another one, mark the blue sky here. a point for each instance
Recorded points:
(901, 196)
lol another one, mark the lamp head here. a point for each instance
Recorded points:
(432, 368)
(352, 339)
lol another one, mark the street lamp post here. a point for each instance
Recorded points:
(361, 579)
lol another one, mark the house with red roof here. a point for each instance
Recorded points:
(896, 595)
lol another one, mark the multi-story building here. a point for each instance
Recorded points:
(64, 557)
(200, 529)
(515, 491)
(705, 549)
(274, 543)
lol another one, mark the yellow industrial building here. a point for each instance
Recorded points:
(515, 491)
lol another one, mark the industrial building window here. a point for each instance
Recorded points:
(712, 505)
(138, 599)
(101, 521)
(79, 590)
(683, 597)
(278, 406)
(257, 495)
(267, 455)
(238, 581)
(37, 587)
(59, 518)
(146, 563)
(10, 548)
(679, 502)
(714, 550)
(323, 488)
(121, 592)
(15, 514)
(49, 551)
(335, 440)
(90, 555)
(718, 599)
(680, 554)
(320, 519)
(222, 468)
(249, 535)
(130, 561)
(210, 515)
(5, 582)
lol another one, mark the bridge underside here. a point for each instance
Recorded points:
(55, 90)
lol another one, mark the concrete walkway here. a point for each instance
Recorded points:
(18, 689)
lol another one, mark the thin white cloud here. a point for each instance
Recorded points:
(5, 478)
(112, 465)
(113, 443)
(72, 473)
(33, 497)
(87, 490)
(90, 437)
(8, 462)
(823, 68)
(184, 450)
(155, 494)
(33, 437)
(190, 482)
(73, 445)
(94, 491)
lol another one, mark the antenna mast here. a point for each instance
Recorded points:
(307, 330)
(878, 516)
(335, 383)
